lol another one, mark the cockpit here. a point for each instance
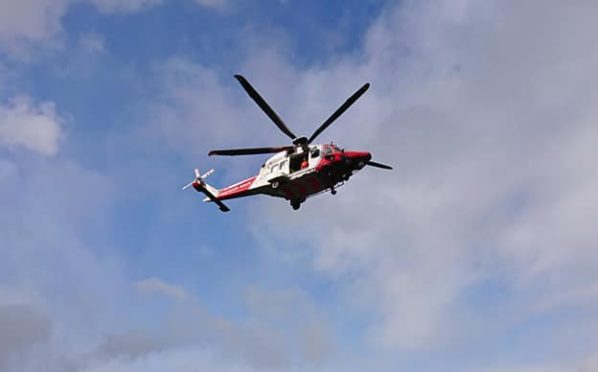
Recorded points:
(329, 150)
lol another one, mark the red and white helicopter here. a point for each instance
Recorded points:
(296, 171)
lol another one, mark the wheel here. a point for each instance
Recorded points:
(275, 184)
(333, 192)
(295, 205)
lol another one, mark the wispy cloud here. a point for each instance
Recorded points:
(157, 286)
(34, 127)
(93, 43)
(24, 323)
(30, 20)
(124, 6)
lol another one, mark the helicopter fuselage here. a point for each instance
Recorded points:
(298, 175)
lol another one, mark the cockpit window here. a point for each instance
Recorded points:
(327, 150)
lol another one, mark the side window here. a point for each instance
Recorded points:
(315, 152)
(327, 152)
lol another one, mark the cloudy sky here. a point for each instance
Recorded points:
(478, 253)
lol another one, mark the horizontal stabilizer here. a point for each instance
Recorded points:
(201, 188)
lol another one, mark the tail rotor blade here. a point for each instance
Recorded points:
(188, 185)
(264, 106)
(207, 173)
(351, 100)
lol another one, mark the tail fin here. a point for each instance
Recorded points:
(214, 191)
(211, 192)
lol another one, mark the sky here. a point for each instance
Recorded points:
(477, 253)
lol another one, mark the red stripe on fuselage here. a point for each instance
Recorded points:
(236, 190)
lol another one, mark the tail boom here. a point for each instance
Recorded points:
(211, 193)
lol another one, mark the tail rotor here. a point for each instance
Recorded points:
(199, 185)
(198, 178)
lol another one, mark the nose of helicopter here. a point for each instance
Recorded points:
(358, 158)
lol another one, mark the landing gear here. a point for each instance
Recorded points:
(332, 190)
(296, 203)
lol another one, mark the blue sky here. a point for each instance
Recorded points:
(476, 254)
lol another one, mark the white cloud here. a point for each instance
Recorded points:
(24, 324)
(157, 286)
(179, 360)
(35, 127)
(212, 3)
(131, 6)
(124, 6)
(531, 368)
(33, 20)
(280, 329)
(93, 43)
(589, 364)
(27, 23)
(60, 288)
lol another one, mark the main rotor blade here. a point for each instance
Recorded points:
(351, 100)
(378, 165)
(251, 151)
(264, 106)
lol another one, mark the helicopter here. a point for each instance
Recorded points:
(295, 172)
